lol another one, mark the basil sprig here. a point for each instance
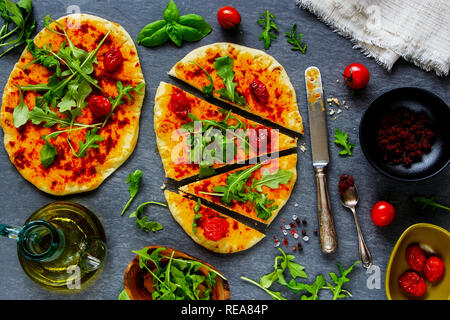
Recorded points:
(190, 27)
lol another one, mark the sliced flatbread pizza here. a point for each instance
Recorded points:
(209, 228)
(257, 191)
(244, 77)
(51, 133)
(194, 137)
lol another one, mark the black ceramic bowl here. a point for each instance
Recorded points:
(417, 100)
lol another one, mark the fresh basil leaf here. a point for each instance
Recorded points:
(153, 34)
(175, 33)
(171, 12)
(197, 22)
(48, 153)
(190, 34)
(20, 113)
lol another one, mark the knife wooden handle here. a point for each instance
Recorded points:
(328, 239)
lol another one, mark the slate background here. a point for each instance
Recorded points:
(327, 50)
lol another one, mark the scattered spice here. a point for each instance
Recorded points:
(299, 246)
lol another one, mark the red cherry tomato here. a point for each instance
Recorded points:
(382, 213)
(100, 106)
(215, 228)
(259, 91)
(356, 76)
(113, 60)
(434, 269)
(412, 283)
(415, 257)
(179, 104)
(228, 17)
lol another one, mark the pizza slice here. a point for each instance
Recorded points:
(244, 77)
(195, 137)
(209, 228)
(257, 191)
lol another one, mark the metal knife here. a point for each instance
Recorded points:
(319, 148)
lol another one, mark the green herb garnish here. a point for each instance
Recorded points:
(208, 90)
(197, 216)
(224, 68)
(133, 181)
(285, 263)
(190, 27)
(18, 24)
(142, 221)
(177, 278)
(341, 139)
(429, 202)
(296, 41)
(269, 28)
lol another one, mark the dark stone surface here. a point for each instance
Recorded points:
(327, 50)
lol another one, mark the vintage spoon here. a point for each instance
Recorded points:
(349, 200)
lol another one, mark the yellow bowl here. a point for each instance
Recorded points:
(432, 239)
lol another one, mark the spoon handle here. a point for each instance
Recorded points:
(327, 233)
(364, 253)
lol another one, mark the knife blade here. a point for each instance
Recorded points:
(319, 148)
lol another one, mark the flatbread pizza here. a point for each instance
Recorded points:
(175, 114)
(257, 191)
(70, 121)
(244, 77)
(209, 228)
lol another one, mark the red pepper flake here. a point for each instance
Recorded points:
(297, 220)
(345, 183)
(304, 222)
(283, 220)
(285, 242)
(293, 231)
(292, 224)
(294, 248)
(303, 232)
(299, 245)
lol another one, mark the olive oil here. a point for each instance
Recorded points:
(80, 247)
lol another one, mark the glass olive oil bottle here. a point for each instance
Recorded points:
(62, 246)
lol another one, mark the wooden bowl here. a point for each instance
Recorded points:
(435, 240)
(138, 282)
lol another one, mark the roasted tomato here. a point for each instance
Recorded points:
(383, 213)
(100, 106)
(434, 269)
(215, 228)
(412, 283)
(356, 76)
(415, 257)
(180, 105)
(259, 91)
(113, 60)
(228, 17)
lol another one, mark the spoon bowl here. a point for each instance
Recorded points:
(349, 199)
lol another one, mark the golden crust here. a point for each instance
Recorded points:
(280, 195)
(166, 123)
(70, 174)
(239, 237)
(249, 64)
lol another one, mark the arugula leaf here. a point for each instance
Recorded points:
(91, 138)
(20, 15)
(273, 180)
(429, 202)
(48, 153)
(133, 181)
(208, 90)
(123, 295)
(269, 28)
(142, 221)
(122, 93)
(284, 262)
(20, 113)
(295, 41)
(337, 290)
(224, 68)
(197, 216)
(341, 139)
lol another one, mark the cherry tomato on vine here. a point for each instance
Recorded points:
(228, 17)
(382, 213)
(356, 76)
